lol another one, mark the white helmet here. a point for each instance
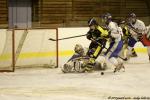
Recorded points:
(79, 49)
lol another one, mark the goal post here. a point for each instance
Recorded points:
(28, 48)
(7, 50)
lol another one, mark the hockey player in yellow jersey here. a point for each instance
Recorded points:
(83, 61)
(125, 38)
(98, 37)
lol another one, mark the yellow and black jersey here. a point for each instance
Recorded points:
(101, 36)
(104, 33)
(126, 33)
(99, 32)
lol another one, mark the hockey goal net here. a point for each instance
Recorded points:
(28, 48)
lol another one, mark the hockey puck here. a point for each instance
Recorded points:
(102, 73)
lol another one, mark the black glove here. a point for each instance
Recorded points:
(88, 36)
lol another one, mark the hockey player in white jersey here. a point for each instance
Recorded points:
(138, 32)
(116, 43)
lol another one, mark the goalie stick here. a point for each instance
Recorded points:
(66, 37)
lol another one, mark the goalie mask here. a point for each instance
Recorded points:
(79, 49)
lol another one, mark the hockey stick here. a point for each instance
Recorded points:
(66, 38)
(109, 50)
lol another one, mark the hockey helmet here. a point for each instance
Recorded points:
(132, 15)
(107, 17)
(79, 49)
(92, 21)
(131, 18)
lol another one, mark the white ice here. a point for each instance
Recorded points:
(52, 84)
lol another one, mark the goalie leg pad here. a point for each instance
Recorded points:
(78, 66)
(83, 66)
(67, 68)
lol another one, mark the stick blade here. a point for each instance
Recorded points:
(52, 39)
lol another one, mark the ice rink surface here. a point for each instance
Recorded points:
(52, 84)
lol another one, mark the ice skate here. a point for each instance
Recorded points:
(119, 67)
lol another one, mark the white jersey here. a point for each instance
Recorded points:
(139, 26)
(120, 31)
(115, 31)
